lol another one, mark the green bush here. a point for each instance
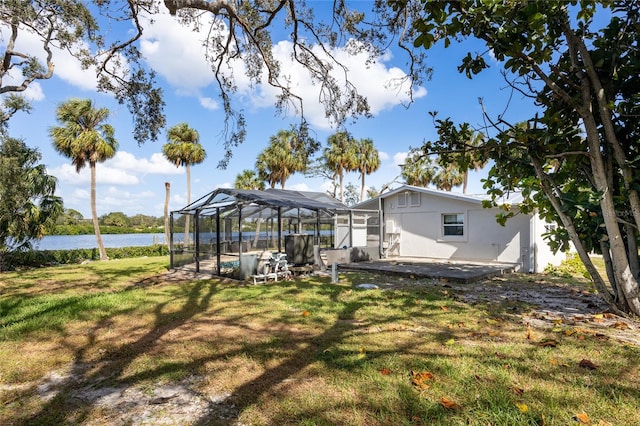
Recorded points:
(37, 258)
(572, 266)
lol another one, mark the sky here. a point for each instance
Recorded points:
(134, 180)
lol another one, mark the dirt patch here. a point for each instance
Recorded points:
(543, 304)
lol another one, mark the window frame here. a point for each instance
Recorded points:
(460, 216)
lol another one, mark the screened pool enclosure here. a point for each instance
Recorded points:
(228, 231)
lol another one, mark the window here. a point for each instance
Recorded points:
(414, 198)
(402, 199)
(453, 224)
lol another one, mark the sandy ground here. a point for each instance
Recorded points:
(535, 303)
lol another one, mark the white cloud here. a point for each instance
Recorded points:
(175, 51)
(399, 158)
(383, 156)
(299, 187)
(208, 103)
(384, 87)
(157, 164)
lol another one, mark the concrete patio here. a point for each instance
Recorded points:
(460, 272)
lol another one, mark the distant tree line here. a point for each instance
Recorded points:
(72, 222)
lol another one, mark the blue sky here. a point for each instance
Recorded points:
(133, 181)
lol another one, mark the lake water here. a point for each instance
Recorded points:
(67, 242)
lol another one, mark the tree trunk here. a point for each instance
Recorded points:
(465, 181)
(94, 213)
(608, 266)
(187, 217)
(550, 191)
(167, 194)
(589, 88)
(362, 188)
(256, 238)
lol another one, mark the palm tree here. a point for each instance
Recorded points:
(340, 157)
(448, 176)
(476, 163)
(288, 152)
(418, 169)
(249, 179)
(85, 139)
(184, 149)
(368, 160)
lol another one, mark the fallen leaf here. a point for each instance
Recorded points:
(582, 418)
(419, 379)
(385, 371)
(609, 315)
(500, 355)
(305, 313)
(588, 364)
(522, 407)
(444, 308)
(548, 343)
(597, 316)
(450, 342)
(447, 403)
(570, 332)
(362, 353)
(621, 325)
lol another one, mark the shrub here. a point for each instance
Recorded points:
(572, 266)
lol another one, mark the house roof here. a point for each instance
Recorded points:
(227, 199)
(513, 198)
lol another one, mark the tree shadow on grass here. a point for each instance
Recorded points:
(64, 408)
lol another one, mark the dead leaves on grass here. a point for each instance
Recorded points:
(420, 379)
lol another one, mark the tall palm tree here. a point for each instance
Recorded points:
(368, 160)
(418, 169)
(85, 139)
(249, 179)
(183, 149)
(340, 156)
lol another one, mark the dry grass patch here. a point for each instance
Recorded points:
(145, 350)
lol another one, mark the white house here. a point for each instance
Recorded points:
(428, 223)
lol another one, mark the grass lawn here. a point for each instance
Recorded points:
(75, 341)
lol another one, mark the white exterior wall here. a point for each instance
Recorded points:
(421, 232)
(544, 256)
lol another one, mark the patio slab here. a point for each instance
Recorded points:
(460, 272)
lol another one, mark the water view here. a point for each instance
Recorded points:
(67, 242)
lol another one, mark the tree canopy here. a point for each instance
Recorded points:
(28, 205)
(576, 159)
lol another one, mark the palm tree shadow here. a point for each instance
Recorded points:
(112, 365)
